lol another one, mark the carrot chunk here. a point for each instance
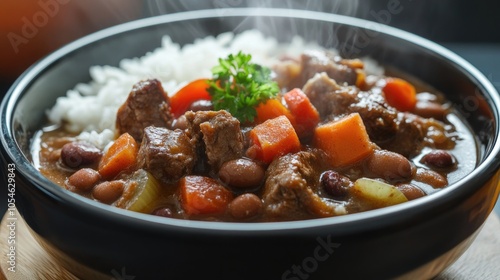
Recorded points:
(273, 138)
(203, 195)
(194, 91)
(345, 141)
(400, 94)
(271, 109)
(306, 115)
(120, 156)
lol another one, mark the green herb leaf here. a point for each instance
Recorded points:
(239, 86)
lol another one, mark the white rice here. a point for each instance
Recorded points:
(90, 109)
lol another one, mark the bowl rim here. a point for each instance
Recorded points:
(383, 216)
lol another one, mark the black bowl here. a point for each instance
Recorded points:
(415, 239)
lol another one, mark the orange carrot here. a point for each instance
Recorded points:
(400, 94)
(203, 195)
(273, 138)
(121, 155)
(271, 109)
(306, 115)
(345, 141)
(194, 91)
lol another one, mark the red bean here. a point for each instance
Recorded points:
(77, 154)
(389, 166)
(439, 159)
(83, 180)
(109, 191)
(410, 191)
(334, 184)
(245, 206)
(431, 177)
(241, 173)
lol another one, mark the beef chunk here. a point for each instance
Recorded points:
(217, 134)
(403, 133)
(409, 137)
(167, 154)
(291, 188)
(379, 118)
(146, 105)
(288, 74)
(327, 96)
(314, 61)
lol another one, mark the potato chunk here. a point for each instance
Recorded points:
(377, 193)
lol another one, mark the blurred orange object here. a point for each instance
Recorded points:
(31, 29)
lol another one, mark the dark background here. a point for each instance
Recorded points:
(470, 28)
(444, 21)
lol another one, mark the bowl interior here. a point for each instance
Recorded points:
(23, 111)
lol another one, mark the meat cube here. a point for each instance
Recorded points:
(291, 188)
(327, 96)
(146, 105)
(288, 74)
(409, 137)
(395, 131)
(378, 117)
(315, 61)
(167, 154)
(217, 134)
(388, 128)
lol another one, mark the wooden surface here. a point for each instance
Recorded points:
(480, 261)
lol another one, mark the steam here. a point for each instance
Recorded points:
(285, 30)
(342, 7)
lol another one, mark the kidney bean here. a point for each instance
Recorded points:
(410, 191)
(245, 206)
(109, 191)
(389, 166)
(431, 178)
(77, 154)
(83, 180)
(201, 105)
(241, 173)
(334, 184)
(439, 159)
(164, 212)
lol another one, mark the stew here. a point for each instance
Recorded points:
(321, 137)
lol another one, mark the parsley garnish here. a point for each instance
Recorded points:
(238, 86)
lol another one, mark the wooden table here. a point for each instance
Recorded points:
(480, 261)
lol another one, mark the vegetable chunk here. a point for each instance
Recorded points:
(377, 193)
(194, 91)
(141, 192)
(203, 195)
(306, 115)
(400, 94)
(271, 109)
(345, 141)
(120, 156)
(273, 138)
